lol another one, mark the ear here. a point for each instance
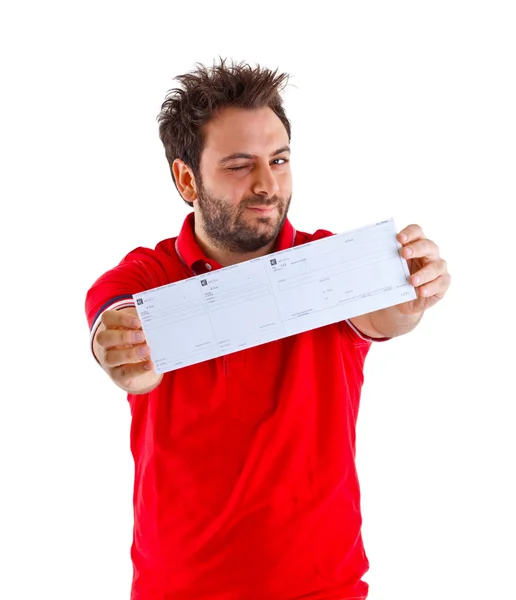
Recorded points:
(185, 180)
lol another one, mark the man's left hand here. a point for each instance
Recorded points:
(428, 271)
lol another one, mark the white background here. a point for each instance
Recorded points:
(402, 109)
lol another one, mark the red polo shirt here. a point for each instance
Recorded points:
(245, 481)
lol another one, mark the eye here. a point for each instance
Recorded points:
(275, 161)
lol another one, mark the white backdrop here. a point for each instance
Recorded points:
(402, 109)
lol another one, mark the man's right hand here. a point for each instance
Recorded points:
(120, 348)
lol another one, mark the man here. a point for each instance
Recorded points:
(245, 480)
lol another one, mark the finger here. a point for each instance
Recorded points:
(437, 287)
(410, 233)
(421, 249)
(120, 318)
(124, 374)
(428, 273)
(110, 338)
(117, 357)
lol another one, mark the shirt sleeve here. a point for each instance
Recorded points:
(355, 336)
(114, 290)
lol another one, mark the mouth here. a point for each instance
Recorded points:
(262, 210)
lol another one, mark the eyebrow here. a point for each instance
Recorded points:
(244, 155)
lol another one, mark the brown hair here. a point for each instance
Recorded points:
(206, 90)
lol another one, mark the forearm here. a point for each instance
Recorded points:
(390, 322)
(143, 385)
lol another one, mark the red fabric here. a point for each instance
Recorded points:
(245, 480)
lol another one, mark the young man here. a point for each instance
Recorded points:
(245, 480)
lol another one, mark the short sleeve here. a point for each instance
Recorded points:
(140, 270)
(355, 337)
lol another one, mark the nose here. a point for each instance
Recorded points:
(265, 183)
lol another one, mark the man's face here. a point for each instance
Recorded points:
(246, 183)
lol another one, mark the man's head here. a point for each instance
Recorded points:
(226, 138)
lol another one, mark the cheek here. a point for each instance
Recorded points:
(232, 187)
(285, 183)
(225, 190)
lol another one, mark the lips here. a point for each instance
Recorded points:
(264, 210)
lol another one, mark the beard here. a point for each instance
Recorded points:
(235, 229)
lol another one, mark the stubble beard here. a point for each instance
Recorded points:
(228, 228)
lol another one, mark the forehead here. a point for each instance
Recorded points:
(242, 130)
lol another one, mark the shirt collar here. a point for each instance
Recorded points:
(194, 258)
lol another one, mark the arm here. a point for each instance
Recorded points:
(386, 323)
(116, 340)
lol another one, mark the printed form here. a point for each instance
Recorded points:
(275, 296)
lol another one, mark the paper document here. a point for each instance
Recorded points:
(274, 296)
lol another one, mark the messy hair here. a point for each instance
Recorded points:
(206, 90)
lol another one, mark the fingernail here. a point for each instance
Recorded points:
(143, 350)
(403, 237)
(417, 280)
(408, 251)
(138, 337)
(147, 366)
